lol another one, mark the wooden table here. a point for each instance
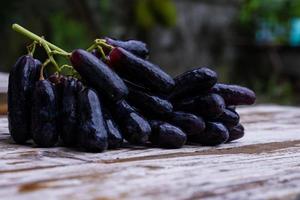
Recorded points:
(3, 91)
(265, 164)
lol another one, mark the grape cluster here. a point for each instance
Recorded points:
(121, 97)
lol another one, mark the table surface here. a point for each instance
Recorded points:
(265, 164)
(3, 82)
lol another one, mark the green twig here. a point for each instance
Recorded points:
(43, 67)
(92, 47)
(48, 50)
(103, 43)
(102, 52)
(35, 37)
(31, 48)
(55, 52)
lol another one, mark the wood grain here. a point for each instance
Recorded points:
(3, 82)
(265, 164)
(3, 91)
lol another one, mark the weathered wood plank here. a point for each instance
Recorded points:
(3, 82)
(3, 91)
(265, 164)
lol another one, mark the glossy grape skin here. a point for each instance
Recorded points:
(215, 133)
(209, 106)
(136, 47)
(38, 66)
(56, 81)
(234, 94)
(22, 79)
(193, 82)
(135, 128)
(44, 115)
(137, 87)
(140, 71)
(69, 112)
(150, 105)
(115, 137)
(98, 75)
(236, 133)
(229, 118)
(189, 123)
(166, 135)
(123, 108)
(92, 134)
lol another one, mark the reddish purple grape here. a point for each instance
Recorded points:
(136, 47)
(140, 71)
(98, 75)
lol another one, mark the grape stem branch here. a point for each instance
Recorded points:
(29, 34)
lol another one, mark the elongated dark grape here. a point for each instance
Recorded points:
(134, 86)
(140, 71)
(69, 111)
(22, 80)
(236, 133)
(229, 118)
(44, 114)
(214, 134)
(136, 47)
(149, 105)
(193, 82)
(134, 127)
(38, 65)
(166, 135)
(210, 105)
(115, 138)
(57, 80)
(189, 123)
(123, 108)
(98, 74)
(234, 94)
(92, 134)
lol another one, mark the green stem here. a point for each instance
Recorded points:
(35, 37)
(93, 46)
(102, 53)
(55, 52)
(31, 48)
(103, 43)
(49, 53)
(42, 69)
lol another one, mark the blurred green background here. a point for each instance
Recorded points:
(250, 42)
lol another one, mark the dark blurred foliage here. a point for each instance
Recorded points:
(268, 49)
(76, 23)
(247, 41)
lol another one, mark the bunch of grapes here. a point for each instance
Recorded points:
(116, 94)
